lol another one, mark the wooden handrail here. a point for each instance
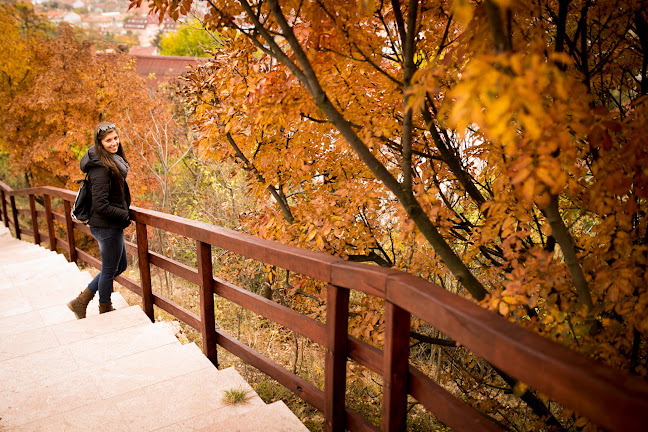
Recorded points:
(609, 398)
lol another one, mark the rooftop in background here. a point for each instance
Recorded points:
(143, 51)
(164, 67)
(141, 22)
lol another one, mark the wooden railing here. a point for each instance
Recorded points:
(610, 399)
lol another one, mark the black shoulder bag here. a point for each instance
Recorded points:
(83, 203)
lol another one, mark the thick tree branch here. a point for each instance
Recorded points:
(452, 161)
(370, 257)
(566, 243)
(534, 403)
(277, 193)
(584, 60)
(432, 340)
(561, 30)
(409, 68)
(642, 32)
(499, 30)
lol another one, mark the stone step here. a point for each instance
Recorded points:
(15, 251)
(186, 403)
(117, 376)
(275, 417)
(63, 283)
(36, 265)
(32, 271)
(51, 295)
(13, 324)
(99, 325)
(72, 362)
(124, 330)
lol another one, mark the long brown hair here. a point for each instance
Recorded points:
(105, 157)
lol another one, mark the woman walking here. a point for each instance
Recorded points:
(107, 170)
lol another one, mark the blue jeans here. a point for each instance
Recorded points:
(113, 260)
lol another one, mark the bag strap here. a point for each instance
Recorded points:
(82, 180)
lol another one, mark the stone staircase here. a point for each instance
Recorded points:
(111, 372)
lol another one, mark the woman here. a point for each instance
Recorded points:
(107, 170)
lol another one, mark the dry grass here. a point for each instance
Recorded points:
(234, 396)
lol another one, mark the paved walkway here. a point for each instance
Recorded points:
(112, 372)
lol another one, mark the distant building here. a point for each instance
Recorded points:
(98, 22)
(156, 68)
(148, 26)
(136, 23)
(56, 16)
(143, 51)
(72, 18)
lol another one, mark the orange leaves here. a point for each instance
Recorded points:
(503, 308)
(599, 138)
(366, 320)
(53, 111)
(519, 103)
(463, 11)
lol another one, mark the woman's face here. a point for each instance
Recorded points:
(111, 142)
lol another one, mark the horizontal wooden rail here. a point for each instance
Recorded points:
(185, 272)
(283, 315)
(27, 232)
(177, 311)
(611, 399)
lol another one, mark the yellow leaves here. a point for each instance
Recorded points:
(311, 235)
(67, 89)
(529, 190)
(625, 307)
(526, 122)
(463, 11)
(531, 125)
(367, 6)
(510, 299)
(549, 179)
(519, 388)
(521, 170)
(523, 105)
(326, 229)
(503, 308)
(508, 227)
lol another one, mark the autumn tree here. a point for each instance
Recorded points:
(189, 39)
(504, 140)
(55, 88)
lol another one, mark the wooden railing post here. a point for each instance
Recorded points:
(207, 318)
(69, 228)
(395, 368)
(5, 216)
(34, 218)
(337, 323)
(50, 221)
(14, 212)
(145, 269)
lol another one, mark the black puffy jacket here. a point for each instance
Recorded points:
(110, 202)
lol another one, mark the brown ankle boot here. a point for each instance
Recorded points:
(105, 307)
(80, 304)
